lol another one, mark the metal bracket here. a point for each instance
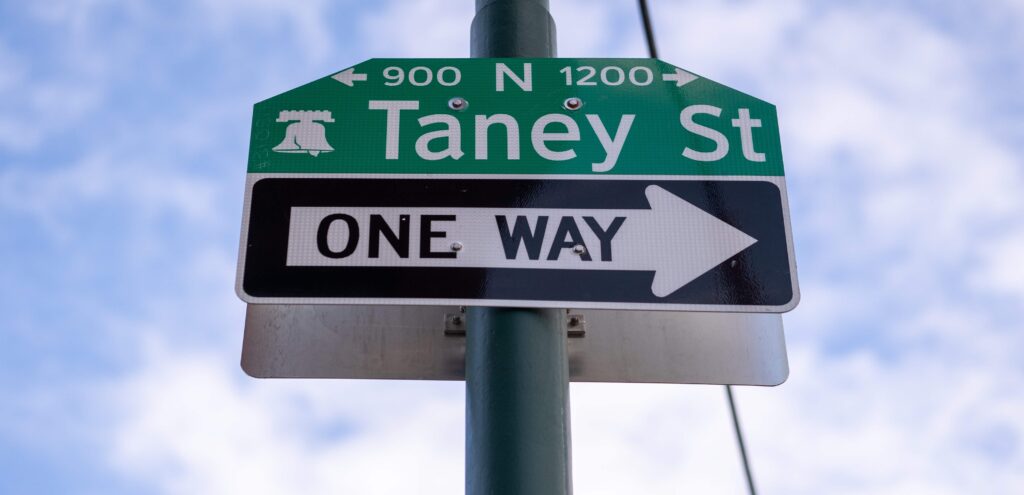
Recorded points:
(576, 326)
(455, 325)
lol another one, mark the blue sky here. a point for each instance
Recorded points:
(123, 145)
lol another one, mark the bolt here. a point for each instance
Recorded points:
(456, 246)
(456, 320)
(458, 103)
(572, 103)
(579, 249)
(574, 321)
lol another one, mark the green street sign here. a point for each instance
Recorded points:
(515, 116)
(581, 183)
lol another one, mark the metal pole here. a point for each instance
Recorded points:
(517, 372)
(512, 28)
(517, 403)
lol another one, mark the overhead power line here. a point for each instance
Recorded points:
(739, 440)
(645, 16)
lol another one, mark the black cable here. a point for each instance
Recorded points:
(739, 439)
(645, 16)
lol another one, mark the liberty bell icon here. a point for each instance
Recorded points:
(305, 134)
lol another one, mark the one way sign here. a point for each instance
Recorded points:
(655, 244)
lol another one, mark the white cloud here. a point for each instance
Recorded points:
(307, 21)
(418, 28)
(39, 98)
(630, 438)
(188, 424)
(33, 111)
(52, 197)
(1001, 267)
(605, 30)
(858, 424)
(14, 68)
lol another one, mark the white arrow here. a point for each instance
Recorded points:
(348, 76)
(675, 239)
(681, 77)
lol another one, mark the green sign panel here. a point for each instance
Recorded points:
(516, 116)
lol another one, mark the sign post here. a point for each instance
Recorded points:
(517, 362)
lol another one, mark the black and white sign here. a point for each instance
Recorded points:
(708, 245)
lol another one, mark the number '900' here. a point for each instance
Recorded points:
(422, 76)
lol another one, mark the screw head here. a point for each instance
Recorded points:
(574, 321)
(458, 103)
(579, 249)
(456, 246)
(572, 103)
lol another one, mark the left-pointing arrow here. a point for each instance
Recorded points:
(674, 239)
(348, 77)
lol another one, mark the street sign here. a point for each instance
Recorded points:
(587, 183)
(411, 343)
(515, 241)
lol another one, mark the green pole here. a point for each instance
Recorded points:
(517, 367)
(512, 28)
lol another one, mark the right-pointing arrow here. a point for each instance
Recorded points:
(680, 76)
(674, 239)
(686, 241)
